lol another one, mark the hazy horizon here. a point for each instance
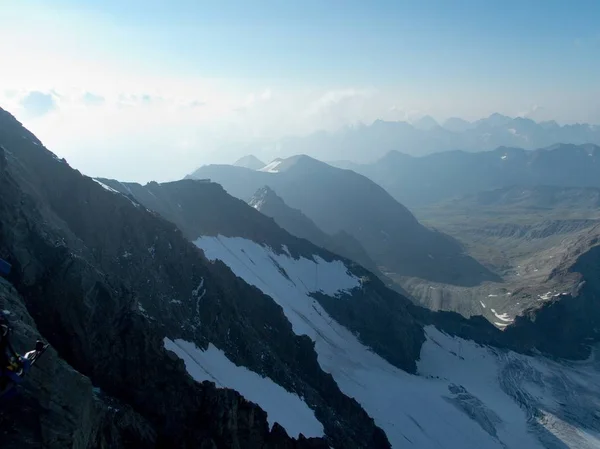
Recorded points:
(151, 90)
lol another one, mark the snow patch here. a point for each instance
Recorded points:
(105, 187)
(196, 294)
(110, 189)
(283, 407)
(503, 316)
(143, 312)
(272, 167)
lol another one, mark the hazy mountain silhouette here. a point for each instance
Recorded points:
(342, 200)
(250, 161)
(416, 181)
(367, 143)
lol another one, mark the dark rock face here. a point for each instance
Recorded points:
(105, 280)
(57, 406)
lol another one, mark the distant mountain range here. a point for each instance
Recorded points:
(367, 143)
(418, 181)
(342, 200)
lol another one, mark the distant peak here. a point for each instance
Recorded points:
(456, 124)
(300, 161)
(263, 196)
(426, 123)
(250, 161)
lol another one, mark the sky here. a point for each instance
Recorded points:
(150, 90)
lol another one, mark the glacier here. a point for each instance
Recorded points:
(464, 395)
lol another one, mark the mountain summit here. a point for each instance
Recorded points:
(250, 161)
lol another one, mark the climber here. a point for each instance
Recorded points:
(12, 365)
(10, 360)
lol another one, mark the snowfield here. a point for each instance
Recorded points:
(464, 396)
(272, 167)
(281, 406)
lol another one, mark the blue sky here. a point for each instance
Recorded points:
(322, 42)
(261, 69)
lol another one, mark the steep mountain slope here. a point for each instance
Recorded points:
(106, 281)
(436, 177)
(250, 161)
(237, 229)
(366, 143)
(203, 209)
(455, 399)
(341, 200)
(266, 201)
